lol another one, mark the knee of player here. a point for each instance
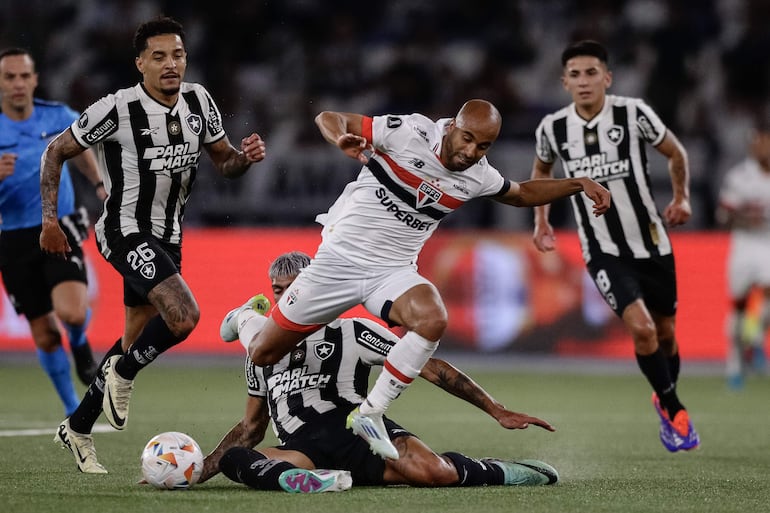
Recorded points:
(262, 355)
(642, 330)
(184, 325)
(432, 327)
(47, 340)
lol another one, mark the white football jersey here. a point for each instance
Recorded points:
(747, 184)
(148, 155)
(384, 217)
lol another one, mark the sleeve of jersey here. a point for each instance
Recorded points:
(214, 128)
(373, 341)
(97, 123)
(255, 382)
(650, 125)
(543, 148)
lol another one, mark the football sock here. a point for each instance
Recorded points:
(655, 367)
(674, 364)
(253, 468)
(57, 366)
(82, 420)
(77, 334)
(473, 472)
(404, 363)
(155, 339)
(250, 323)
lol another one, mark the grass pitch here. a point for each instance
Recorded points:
(606, 447)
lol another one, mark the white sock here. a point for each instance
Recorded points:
(250, 323)
(403, 364)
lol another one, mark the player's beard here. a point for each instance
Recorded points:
(170, 91)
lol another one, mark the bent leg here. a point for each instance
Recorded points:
(53, 359)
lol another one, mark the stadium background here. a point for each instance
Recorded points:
(272, 65)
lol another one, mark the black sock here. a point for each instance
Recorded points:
(674, 364)
(155, 339)
(474, 472)
(655, 367)
(253, 468)
(90, 407)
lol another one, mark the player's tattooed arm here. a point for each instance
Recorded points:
(457, 383)
(63, 147)
(232, 163)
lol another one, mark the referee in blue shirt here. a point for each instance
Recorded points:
(42, 287)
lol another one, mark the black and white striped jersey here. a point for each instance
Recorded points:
(148, 154)
(327, 370)
(610, 148)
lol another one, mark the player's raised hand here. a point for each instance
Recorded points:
(354, 147)
(253, 148)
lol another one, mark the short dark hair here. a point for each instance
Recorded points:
(585, 47)
(156, 27)
(15, 51)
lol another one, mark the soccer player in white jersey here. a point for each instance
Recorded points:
(148, 140)
(627, 251)
(419, 171)
(308, 395)
(744, 207)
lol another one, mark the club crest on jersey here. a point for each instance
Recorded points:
(323, 350)
(148, 270)
(174, 127)
(292, 297)
(615, 134)
(195, 123)
(427, 194)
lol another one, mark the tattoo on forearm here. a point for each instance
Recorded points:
(461, 386)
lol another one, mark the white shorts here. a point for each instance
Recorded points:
(329, 287)
(748, 265)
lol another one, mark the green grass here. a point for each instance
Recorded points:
(606, 446)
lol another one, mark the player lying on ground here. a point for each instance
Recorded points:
(309, 393)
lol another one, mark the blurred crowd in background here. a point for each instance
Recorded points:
(272, 65)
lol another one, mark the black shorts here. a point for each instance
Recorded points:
(29, 274)
(624, 280)
(144, 262)
(329, 444)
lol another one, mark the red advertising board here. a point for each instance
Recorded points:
(502, 295)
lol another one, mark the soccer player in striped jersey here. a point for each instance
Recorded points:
(44, 289)
(419, 171)
(744, 207)
(627, 251)
(148, 140)
(308, 395)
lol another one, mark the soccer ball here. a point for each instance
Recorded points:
(172, 461)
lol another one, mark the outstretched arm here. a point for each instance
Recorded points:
(344, 130)
(543, 236)
(678, 210)
(63, 147)
(232, 163)
(247, 433)
(454, 381)
(533, 193)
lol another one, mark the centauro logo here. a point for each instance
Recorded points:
(597, 167)
(173, 157)
(292, 380)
